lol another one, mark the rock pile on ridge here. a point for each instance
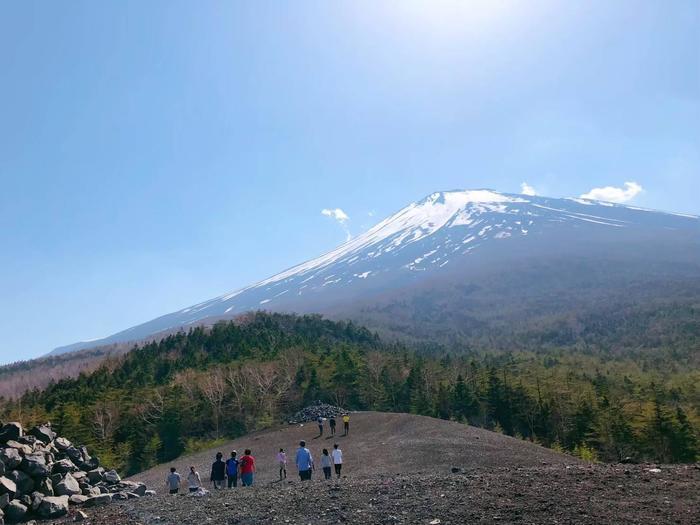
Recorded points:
(312, 412)
(42, 474)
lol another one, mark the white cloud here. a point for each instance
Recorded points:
(526, 189)
(613, 194)
(340, 216)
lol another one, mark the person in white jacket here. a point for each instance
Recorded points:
(193, 480)
(337, 456)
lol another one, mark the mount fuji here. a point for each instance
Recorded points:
(471, 258)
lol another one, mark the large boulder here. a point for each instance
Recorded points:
(35, 465)
(23, 482)
(62, 444)
(43, 433)
(8, 486)
(10, 457)
(10, 431)
(15, 511)
(67, 486)
(45, 487)
(4, 500)
(77, 499)
(20, 447)
(53, 507)
(96, 475)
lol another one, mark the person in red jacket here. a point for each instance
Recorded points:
(246, 467)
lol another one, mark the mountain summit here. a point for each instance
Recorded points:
(452, 237)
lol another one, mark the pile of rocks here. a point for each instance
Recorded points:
(312, 412)
(42, 474)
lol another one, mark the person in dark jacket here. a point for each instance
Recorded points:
(331, 424)
(218, 472)
(232, 470)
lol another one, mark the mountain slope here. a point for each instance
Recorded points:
(450, 235)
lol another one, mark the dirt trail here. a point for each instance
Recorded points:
(379, 443)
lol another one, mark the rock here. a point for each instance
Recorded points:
(43, 433)
(53, 507)
(140, 489)
(45, 487)
(23, 482)
(10, 431)
(80, 516)
(120, 496)
(62, 466)
(35, 465)
(4, 500)
(15, 511)
(11, 458)
(132, 495)
(20, 447)
(92, 491)
(74, 454)
(62, 444)
(102, 499)
(96, 475)
(77, 499)
(67, 486)
(150, 493)
(312, 412)
(111, 476)
(37, 498)
(2, 468)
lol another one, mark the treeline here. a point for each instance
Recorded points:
(165, 398)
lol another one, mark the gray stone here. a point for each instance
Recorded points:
(2, 468)
(37, 498)
(102, 499)
(80, 516)
(150, 493)
(45, 487)
(140, 489)
(62, 444)
(20, 447)
(92, 491)
(23, 482)
(4, 500)
(111, 476)
(10, 431)
(53, 507)
(120, 496)
(77, 499)
(15, 511)
(62, 466)
(10, 457)
(35, 465)
(8, 486)
(96, 475)
(43, 433)
(67, 486)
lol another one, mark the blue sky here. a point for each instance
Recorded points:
(155, 154)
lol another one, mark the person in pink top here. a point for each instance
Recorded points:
(282, 461)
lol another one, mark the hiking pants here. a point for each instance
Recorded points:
(233, 481)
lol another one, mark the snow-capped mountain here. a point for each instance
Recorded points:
(445, 234)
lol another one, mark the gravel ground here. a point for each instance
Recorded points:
(556, 494)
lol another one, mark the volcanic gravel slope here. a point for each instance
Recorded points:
(398, 470)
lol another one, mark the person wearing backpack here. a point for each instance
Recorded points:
(246, 466)
(218, 472)
(232, 470)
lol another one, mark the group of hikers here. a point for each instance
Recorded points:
(234, 468)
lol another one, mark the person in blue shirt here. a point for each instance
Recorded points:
(232, 470)
(304, 461)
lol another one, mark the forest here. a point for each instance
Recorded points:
(191, 390)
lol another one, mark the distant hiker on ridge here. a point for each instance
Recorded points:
(247, 468)
(319, 420)
(337, 455)
(282, 462)
(331, 424)
(326, 463)
(194, 482)
(173, 481)
(218, 472)
(304, 461)
(346, 424)
(232, 470)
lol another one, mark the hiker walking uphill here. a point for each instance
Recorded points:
(304, 461)
(319, 420)
(218, 472)
(173, 481)
(282, 462)
(331, 425)
(337, 456)
(346, 424)
(326, 463)
(232, 470)
(194, 482)
(246, 466)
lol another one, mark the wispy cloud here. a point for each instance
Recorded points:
(613, 194)
(526, 189)
(341, 217)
